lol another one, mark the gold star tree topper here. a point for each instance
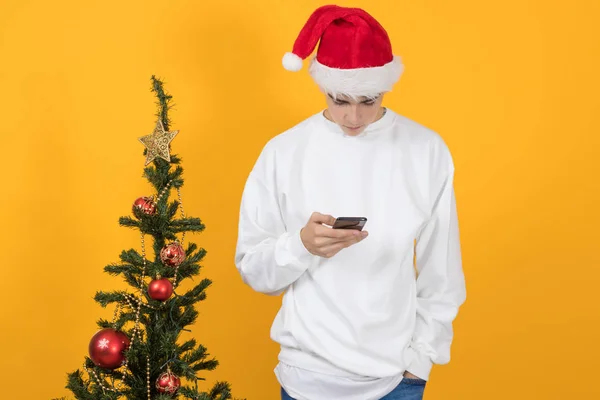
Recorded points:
(157, 143)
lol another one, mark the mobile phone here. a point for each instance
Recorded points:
(357, 223)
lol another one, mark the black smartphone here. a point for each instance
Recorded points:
(357, 223)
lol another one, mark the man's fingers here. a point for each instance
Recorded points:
(334, 248)
(342, 234)
(322, 241)
(333, 233)
(349, 238)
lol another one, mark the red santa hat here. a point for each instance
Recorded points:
(354, 57)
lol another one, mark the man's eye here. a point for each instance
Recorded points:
(369, 103)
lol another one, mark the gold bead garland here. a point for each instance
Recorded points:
(148, 375)
(98, 381)
(136, 330)
(163, 191)
(129, 298)
(117, 314)
(182, 236)
(182, 212)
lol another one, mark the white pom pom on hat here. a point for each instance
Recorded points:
(292, 62)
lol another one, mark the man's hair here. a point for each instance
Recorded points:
(354, 97)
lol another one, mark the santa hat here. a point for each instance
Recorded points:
(354, 57)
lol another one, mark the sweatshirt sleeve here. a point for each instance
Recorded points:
(268, 257)
(440, 279)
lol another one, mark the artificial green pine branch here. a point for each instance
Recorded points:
(187, 225)
(187, 346)
(123, 319)
(103, 323)
(172, 211)
(132, 257)
(117, 269)
(131, 278)
(164, 101)
(189, 271)
(104, 298)
(129, 222)
(196, 294)
(78, 386)
(190, 249)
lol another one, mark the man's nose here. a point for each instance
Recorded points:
(353, 115)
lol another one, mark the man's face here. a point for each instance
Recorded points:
(353, 116)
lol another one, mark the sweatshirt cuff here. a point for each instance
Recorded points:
(299, 251)
(420, 366)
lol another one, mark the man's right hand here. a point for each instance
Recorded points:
(324, 241)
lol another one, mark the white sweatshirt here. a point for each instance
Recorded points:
(350, 325)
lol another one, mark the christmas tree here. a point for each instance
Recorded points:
(136, 355)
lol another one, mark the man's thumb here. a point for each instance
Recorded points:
(322, 218)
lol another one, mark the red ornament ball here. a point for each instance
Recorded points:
(107, 348)
(160, 289)
(172, 254)
(145, 205)
(168, 383)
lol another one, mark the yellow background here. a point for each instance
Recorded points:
(511, 85)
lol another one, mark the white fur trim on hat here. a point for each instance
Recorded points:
(357, 82)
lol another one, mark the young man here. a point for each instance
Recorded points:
(365, 314)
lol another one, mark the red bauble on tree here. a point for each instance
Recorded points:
(144, 205)
(168, 383)
(160, 289)
(107, 348)
(172, 254)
